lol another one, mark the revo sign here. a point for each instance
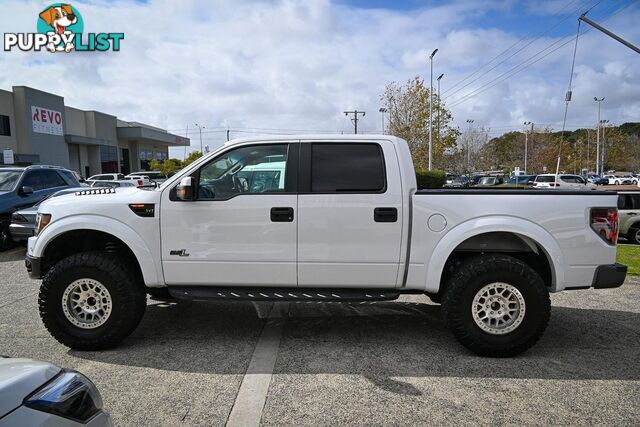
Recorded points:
(46, 121)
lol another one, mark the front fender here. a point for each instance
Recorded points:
(151, 272)
(482, 225)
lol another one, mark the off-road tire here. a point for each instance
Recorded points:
(128, 300)
(472, 276)
(634, 235)
(6, 241)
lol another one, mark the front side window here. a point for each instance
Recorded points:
(348, 168)
(254, 169)
(33, 179)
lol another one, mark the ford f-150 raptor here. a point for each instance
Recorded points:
(326, 218)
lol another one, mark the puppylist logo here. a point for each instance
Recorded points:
(60, 29)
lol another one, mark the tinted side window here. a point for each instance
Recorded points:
(33, 179)
(347, 168)
(69, 176)
(50, 179)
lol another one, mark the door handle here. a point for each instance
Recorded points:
(385, 215)
(281, 214)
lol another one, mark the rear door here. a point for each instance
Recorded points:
(349, 215)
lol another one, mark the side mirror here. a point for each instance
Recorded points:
(184, 191)
(25, 190)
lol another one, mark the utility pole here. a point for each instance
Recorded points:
(526, 145)
(609, 33)
(355, 118)
(382, 111)
(200, 128)
(603, 123)
(439, 106)
(431, 108)
(598, 172)
(469, 136)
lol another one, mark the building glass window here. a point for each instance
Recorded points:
(109, 159)
(145, 159)
(5, 129)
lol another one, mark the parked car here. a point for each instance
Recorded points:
(562, 182)
(597, 179)
(345, 224)
(21, 187)
(155, 176)
(632, 179)
(34, 393)
(490, 181)
(459, 182)
(617, 180)
(105, 177)
(522, 180)
(629, 214)
(138, 179)
(23, 222)
(115, 184)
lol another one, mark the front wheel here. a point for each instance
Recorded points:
(634, 235)
(91, 301)
(496, 305)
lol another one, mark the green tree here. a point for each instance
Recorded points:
(192, 157)
(408, 107)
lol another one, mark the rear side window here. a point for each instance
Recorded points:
(70, 176)
(347, 168)
(50, 179)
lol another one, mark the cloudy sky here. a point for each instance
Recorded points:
(284, 66)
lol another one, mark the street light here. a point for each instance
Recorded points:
(382, 110)
(598, 172)
(200, 128)
(439, 106)
(526, 145)
(603, 123)
(431, 107)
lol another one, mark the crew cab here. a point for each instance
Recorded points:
(319, 218)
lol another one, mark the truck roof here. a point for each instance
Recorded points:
(313, 137)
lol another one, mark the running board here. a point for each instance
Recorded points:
(280, 294)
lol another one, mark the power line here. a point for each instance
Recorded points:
(524, 64)
(512, 46)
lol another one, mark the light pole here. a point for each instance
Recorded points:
(382, 111)
(439, 106)
(598, 172)
(431, 107)
(200, 128)
(469, 136)
(526, 145)
(603, 123)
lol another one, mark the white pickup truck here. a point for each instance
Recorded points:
(325, 218)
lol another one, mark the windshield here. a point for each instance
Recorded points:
(8, 179)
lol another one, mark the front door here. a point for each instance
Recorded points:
(241, 228)
(349, 215)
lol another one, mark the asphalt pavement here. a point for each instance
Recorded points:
(388, 363)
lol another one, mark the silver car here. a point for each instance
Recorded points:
(36, 393)
(629, 215)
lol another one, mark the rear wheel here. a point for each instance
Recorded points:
(496, 305)
(91, 301)
(6, 241)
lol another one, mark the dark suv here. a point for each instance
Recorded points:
(21, 187)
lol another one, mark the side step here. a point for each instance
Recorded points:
(281, 294)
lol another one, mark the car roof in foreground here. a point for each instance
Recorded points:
(312, 137)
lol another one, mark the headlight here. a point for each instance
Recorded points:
(70, 394)
(42, 220)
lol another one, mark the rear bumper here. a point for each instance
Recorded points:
(609, 276)
(33, 266)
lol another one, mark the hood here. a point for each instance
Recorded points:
(19, 378)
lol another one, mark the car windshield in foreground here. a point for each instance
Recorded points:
(546, 178)
(8, 179)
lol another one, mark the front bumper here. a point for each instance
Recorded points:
(33, 265)
(21, 232)
(609, 276)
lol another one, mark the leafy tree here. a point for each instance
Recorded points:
(408, 107)
(192, 157)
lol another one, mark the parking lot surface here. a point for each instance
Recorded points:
(387, 363)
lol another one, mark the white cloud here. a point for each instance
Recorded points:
(300, 64)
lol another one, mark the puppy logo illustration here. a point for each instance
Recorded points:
(61, 19)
